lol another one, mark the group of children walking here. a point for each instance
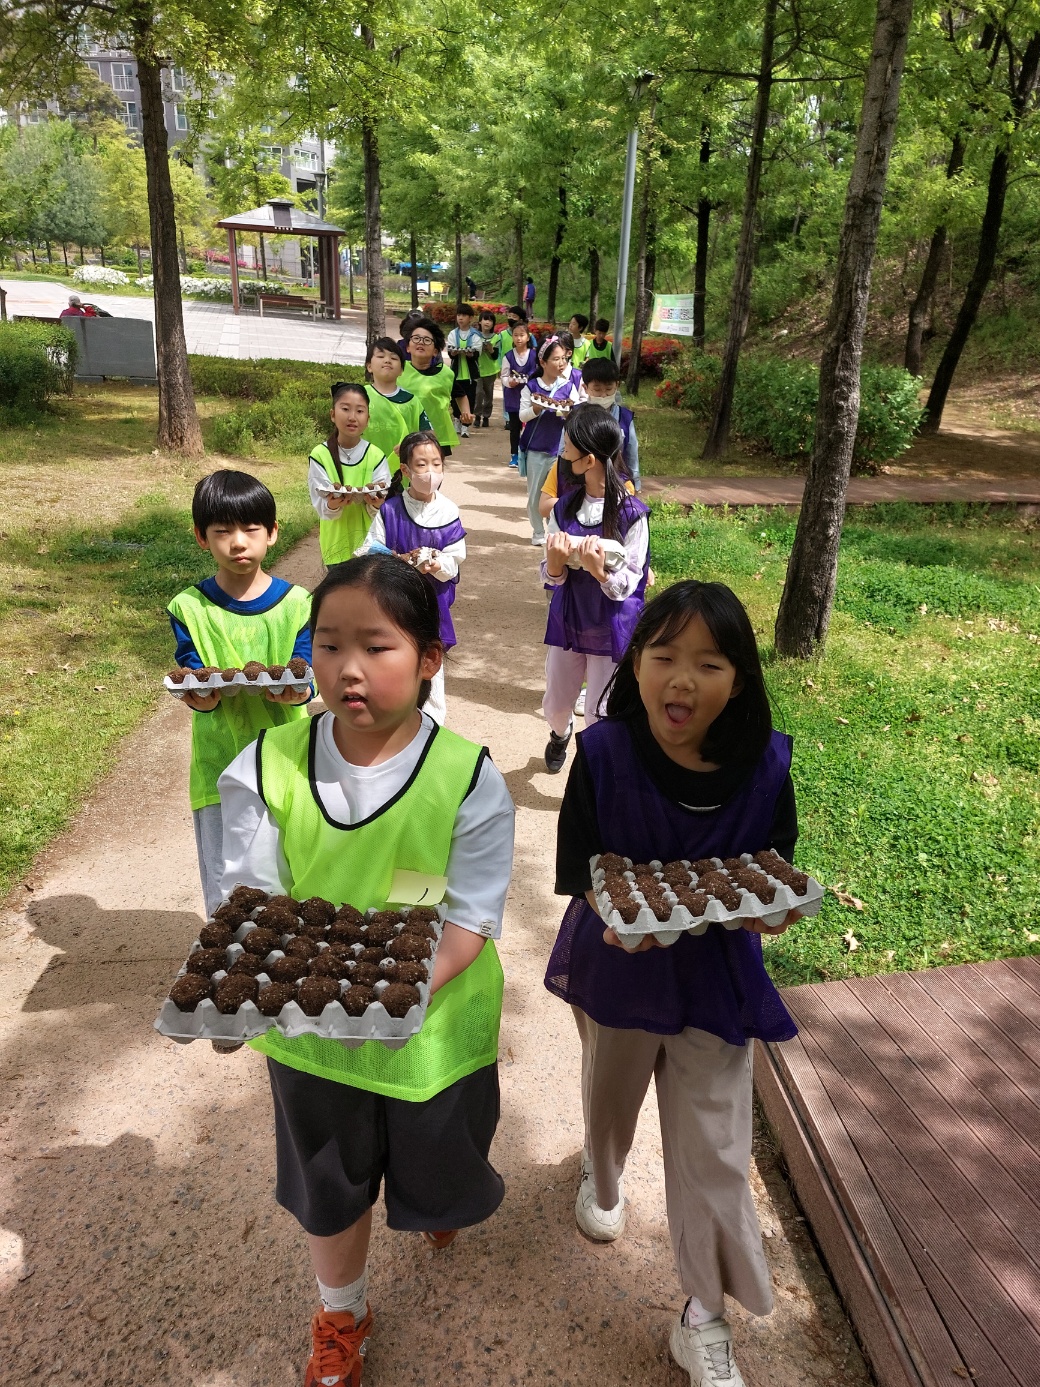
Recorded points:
(678, 759)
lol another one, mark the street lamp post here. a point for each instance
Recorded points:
(636, 88)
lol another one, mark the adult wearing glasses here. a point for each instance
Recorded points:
(426, 376)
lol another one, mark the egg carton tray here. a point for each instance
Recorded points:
(379, 492)
(207, 1023)
(239, 683)
(613, 556)
(682, 922)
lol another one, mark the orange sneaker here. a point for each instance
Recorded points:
(338, 1349)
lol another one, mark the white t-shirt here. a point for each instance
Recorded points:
(348, 457)
(430, 515)
(480, 859)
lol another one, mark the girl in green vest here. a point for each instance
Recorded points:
(393, 413)
(346, 458)
(337, 808)
(426, 375)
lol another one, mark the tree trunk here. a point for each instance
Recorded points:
(988, 239)
(263, 257)
(740, 299)
(639, 316)
(518, 243)
(593, 286)
(140, 259)
(350, 274)
(179, 429)
(458, 258)
(700, 264)
(375, 325)
(413, 251)
(554, 263)
(50, 258)
(805, 607)
(101, 252)
(921, 308)
(65, 254)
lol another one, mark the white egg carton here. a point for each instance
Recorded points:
(239, 683)
(207, 1023)
(560, 407)
(613, 555)
(372, 490)
(682, 922)
(422, 555)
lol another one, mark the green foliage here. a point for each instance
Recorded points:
(290, 402)
(36, 362)
(917, 736)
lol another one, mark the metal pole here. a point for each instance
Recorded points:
(626, 236)
(321, 178)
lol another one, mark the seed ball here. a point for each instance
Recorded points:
(327, 965)
(215, 936)
(409, 946)
(297, 666)
(230, 915)
(358, 999)
(379, 933)
(302, 947)
(277, 918)
(611, 862)
(696, 902)
(228, 674)
(261, 941)
(252, 669)
(275, 996)
(732, 864)
(289, 903)
(628, 910)
(247, 897)
(399, 998)
(316, 993)
(248, 965)
(346, 934)
(421, 915)
(348, 915)
(178, 676)
(367, 974)
(276, 671)
(205, 962)
(702, 865)
(317, 911)
(419, 928)
(233, 990)
(375, 954)
(409, 972)
(385, 917)
(189, 990)
(288, 969)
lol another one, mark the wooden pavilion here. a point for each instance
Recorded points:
(280, 217)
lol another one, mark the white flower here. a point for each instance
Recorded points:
(100, 274)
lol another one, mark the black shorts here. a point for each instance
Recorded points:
(336, 1143)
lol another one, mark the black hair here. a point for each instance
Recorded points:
(602, 325)
(602, 369)
(548, 347)
(519, 312)
(466, 308)
(226, 497)
(434, 329)
(581, 320)
(402, 593)
(741, 731)
(526, 327)
(566, 339)
(383, 344)
(409, 443)
(487, 313)
(348, 387)
(594, 431)
(412, 316)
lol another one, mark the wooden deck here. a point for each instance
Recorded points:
(908, 1110)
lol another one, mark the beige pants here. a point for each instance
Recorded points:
(704, 1098)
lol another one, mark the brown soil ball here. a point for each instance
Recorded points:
(327, 965)
(358, 999)
(732, 864)
(297, 666)
(375, 954)
(247, 897)
(341, 950)
(261, 941)
(316, 993)
(768, 858)
(728, 895)
(409, 946)
(702, 865)
(205, 962)
(696, 902)
(710, 880)
(662, 909)
(316, 911)
(399, 998)
(409, 972)
(347, 933)
(230, 915)
(289, 903)
(348, 915)
(288, 969)
(249, 965)
(232, 991)
(275, 996)
(206, 672)
(379, 933)
(628, 910)
(421, 929)
(421, 915)
(611, 862)
(301, 947)
(276, 671)
(676, 877)
(178, 675)
(189, 990)
(365, 974)
(279, 919)
(677, 865)
(228, 674)
(385, 917)
(311, 930)
(797, 881)
(252, 668)
(216, 936)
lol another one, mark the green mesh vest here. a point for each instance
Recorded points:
(226, 639)
(435, 394)
(356, 864)
(340, 537)
(391, 420)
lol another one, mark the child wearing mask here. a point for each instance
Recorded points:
(601, 378)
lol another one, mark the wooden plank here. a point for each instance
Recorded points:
(991, 987)
(973, 1301)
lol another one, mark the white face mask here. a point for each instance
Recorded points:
(426, 484)
(604, 401)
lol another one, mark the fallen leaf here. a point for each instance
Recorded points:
(843, 722)
(26, 1272)
(819, 745)
(922, 609)
(913, 717)
(809, 684)
(852, 943)
(100, 688)
(847, 899)
(1032, 938)
(30, 671)
(887, 727)
(202, 1136)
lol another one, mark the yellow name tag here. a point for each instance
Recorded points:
(416, 888)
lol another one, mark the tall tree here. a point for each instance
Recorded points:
(805, 606)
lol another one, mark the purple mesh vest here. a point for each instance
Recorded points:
(403, 535)
(511, 393)
(543, 433)
(714, 981)
(581, 616)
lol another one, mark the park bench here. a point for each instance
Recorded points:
(315, 307)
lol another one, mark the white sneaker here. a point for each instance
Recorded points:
(602, 1225)
(706, 1352)
(537, 541)
(579, 706)
(463, 431)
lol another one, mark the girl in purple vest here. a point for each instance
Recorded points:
(544, 403)
(422, 517)
(518, 365)
(597, 588)
(685, 764)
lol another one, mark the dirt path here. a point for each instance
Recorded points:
(139, 1240)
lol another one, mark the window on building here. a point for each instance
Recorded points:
(36, 113)
(271, 154)
(123, 77)
(130, 115)
(178, 81)
(180, 117)
(95, 68)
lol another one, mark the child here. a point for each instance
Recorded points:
(519, 363)
(335, 808)
(423, 517)
(577, 325)
(601, 379)
(685, 765)
(464, 343)
(529, 295)
(487, 369)
(426, 376)
(346, 458)
(393, 412)
(599, 346)
(238, 615)
(412, 316)
(567, 342)
(551, 488)
(592, 612)
(544, 401)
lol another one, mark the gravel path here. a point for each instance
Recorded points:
(139, 1240)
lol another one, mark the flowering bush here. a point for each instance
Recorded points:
(100, 275)
(654, 355)
(218, 289)
(445, 312)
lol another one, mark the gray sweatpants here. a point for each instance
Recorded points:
(538, 465)
(209, 844)
(704, 1098)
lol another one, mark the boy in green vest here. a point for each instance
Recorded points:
(238, 615)
(488, 365)
(599, 348)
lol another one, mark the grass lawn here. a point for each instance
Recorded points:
(670, 443)
(917, 735)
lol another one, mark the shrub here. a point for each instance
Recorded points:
(36, 361)
(262, 380)
(655, 355)
(100, 276)
(289, 409)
